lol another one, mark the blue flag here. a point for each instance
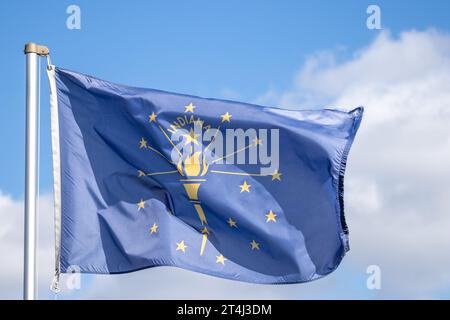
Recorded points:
(147, 178)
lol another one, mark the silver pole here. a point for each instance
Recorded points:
(32, 127)
(32, 53)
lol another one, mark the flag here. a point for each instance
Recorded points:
(147, 178)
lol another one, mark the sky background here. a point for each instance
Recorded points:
(296, 54)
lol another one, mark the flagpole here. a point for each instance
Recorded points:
(32, 53)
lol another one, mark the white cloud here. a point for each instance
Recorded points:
(157, 283)
(11, 246)
(398, 177)
(397, 185)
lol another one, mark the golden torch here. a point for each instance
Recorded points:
(193, 169)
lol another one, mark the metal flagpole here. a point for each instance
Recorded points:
(32, 52)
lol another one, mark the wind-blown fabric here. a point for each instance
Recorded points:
(126, 205)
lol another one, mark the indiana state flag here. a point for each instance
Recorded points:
(146, 178)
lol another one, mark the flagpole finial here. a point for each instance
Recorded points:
(32, 47)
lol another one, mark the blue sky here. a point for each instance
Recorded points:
(228, 49)
(200, 47)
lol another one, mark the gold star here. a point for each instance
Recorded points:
(141, 204)
(205, 230)
(245, 187)
(271, 216)
(142, 143)
(152, 117)
(189, 108)
(220, 259)
(255, 245)
(154, 228)
(141, 173)
(226, 117)
(181, 246)
(232, 223)
(191, 137)
(257, 141)
(276, 175)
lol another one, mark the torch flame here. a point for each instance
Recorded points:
(192, 167)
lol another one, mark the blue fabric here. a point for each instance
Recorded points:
(106, 228)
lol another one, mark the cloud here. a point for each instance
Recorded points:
(11, 246)
(156, 283)
(397, 185)
(398, 177)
